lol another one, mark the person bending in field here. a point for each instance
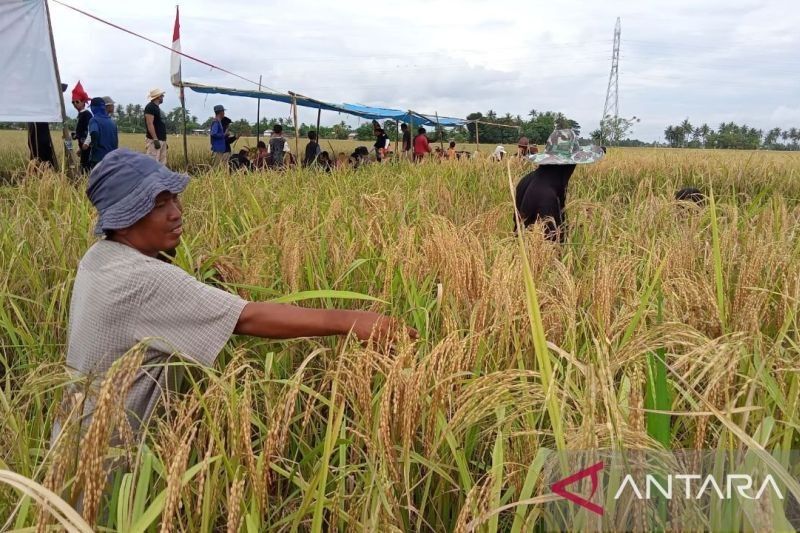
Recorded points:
(542, 194)
(123, 295)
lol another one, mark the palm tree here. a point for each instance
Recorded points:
(704, 132)
(687, 129)
(696, 133)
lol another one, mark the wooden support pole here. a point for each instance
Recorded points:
(477, 137)
(439, 130)
(69, 156)
(258, 114)
(397, 138)
(319, 115)
(296, 128)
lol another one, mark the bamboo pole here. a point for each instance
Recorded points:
(296, 128)
(258, 114)
(397, 138)
(69, 156)
(477, 138)
(319, 115)
(439, 131)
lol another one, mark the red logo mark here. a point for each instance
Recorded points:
(559, 487)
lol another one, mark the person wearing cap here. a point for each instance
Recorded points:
(79, 100)
(124, 296)
(217, 136)
(109, 105)
(103, 136)
(542, 194)
(155, 130)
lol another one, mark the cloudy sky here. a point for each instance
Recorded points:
(708, 60)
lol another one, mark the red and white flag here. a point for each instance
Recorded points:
(175, 63)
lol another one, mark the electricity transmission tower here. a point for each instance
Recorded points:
(611, 108)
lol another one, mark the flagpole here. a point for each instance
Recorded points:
(69, 156)
(176, 78)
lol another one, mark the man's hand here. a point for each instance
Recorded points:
(379, 328)
(157, 144)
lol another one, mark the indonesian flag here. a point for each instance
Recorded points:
(175, 63)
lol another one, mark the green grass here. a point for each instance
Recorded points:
(526, 347)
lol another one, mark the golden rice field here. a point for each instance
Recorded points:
(656, 326)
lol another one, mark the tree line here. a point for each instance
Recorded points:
(731, 135)
(536, 126)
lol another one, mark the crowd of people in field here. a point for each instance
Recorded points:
(96, 135)
(276, 152)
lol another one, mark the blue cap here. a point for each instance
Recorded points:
(124, 185)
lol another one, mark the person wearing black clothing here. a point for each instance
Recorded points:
(240, 161)
(381, 142)
(79, 101)
(40, 143)
(325, 162)
(542, 194)
(277, 147)
(229, 137)
(312, 150)
(406, 139)
(155, 129)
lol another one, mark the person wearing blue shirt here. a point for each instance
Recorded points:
(103, 136)
(218, 136)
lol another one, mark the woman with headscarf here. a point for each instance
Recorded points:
(498, 154)
(542, 194)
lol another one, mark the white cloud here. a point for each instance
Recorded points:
(702, 59)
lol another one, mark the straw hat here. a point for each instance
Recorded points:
(155, 93)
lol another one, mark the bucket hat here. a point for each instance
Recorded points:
(562, 148)
(124, 185)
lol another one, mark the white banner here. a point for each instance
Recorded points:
(28, 86)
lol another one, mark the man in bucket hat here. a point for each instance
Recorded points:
(542, 194)
(155, 141)
(124, 295)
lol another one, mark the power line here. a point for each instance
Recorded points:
(187, 56)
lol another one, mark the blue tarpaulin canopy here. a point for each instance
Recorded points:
(365, 112)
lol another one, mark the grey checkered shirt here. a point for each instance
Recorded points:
(121, 297)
